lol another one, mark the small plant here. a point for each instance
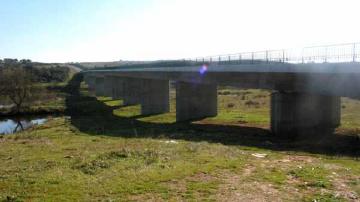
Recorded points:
(230, 105)
(226, 92)
(92, 167)
(252, 103)
(312, 176)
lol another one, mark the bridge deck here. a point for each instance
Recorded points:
(340, 79)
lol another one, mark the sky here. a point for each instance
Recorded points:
(111, 30)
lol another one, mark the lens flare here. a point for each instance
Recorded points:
(203, 69)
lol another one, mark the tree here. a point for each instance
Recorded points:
(9, 62)
(16, 84)
(25, 61)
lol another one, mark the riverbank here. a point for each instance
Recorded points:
(51, 101)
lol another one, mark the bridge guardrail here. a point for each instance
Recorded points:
(349, 52)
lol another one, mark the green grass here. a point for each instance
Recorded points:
(312, 176)
(272, 175)
(33, 168)
(109, 152)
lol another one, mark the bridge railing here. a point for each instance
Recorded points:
(316, 54)
(332, 53)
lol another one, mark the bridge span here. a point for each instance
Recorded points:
(305, 96)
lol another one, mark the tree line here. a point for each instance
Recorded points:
(43, 73)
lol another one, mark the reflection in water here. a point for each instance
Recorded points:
(6, 106)
(10, 126)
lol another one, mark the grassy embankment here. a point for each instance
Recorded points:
(110, 152)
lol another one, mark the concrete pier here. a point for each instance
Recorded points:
(154, 96)
(108, 86)
(132, 90)
(195, 101)
(99, 86)
(90, 81)
(118, 88)
(303, 114)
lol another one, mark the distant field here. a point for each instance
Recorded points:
(127, 64)
(109, 152)
(92, 65)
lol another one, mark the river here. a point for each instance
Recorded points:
(14, 125)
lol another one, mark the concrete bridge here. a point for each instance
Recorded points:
(305, 99)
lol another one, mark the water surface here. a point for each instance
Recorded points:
(14, 125)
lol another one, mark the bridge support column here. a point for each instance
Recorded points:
(195, 101)
(302, 114)
(108, 86)
(99, 86)
(90, 81)
(132, 91)
(155, 96)
(118, 88)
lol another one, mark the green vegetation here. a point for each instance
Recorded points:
(32, 88)
(313, 176)
(110, 152)
(41, 72)
(48, 99)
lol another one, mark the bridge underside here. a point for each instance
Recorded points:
(292, 112)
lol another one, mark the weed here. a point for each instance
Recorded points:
(312, 176)
(92, 167)
(230, 105)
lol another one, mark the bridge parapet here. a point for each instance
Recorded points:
(349, 52)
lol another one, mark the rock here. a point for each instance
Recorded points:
(258, 155)
(353, 195)
(171, 142)
(285, 161)
(68, 157)
(11, 198)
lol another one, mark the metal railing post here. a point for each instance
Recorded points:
(283, 56)
(267, 56)
(240, 58)
(252, 58)
(354, 52)
(302, 56)
(326, 50)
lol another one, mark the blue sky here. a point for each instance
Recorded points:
(108, 30)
